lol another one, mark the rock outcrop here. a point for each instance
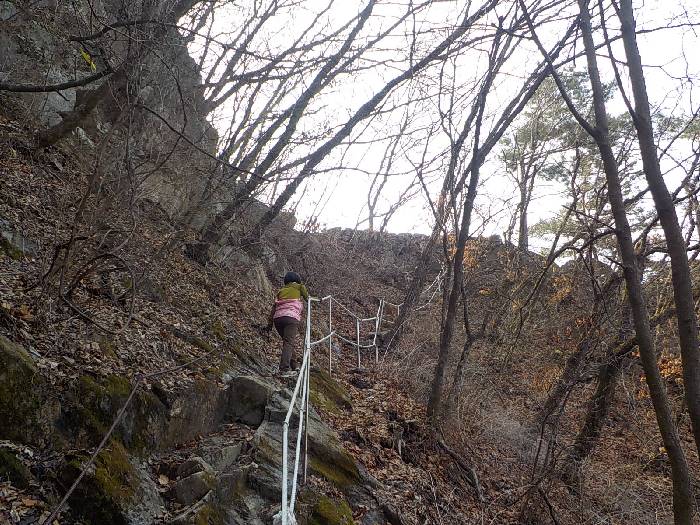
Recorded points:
(167, 135)
(211, 474)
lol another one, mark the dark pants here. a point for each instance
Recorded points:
(288, 328)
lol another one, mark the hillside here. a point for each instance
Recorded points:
(70, 359)
(164, 164)
(75, 339)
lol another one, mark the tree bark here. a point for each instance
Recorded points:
(680, 269)
(682, 491)
(522, 222)
(568, 378)
(598, 409)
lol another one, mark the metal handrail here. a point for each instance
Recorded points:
(301, 390)
(302, 384)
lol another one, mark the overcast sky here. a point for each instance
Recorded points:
(671, 57)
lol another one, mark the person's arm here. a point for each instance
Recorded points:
(304, 292)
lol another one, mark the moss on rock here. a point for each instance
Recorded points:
(98, 400)
(91, 410)
(148, 424)
(13, 469)
(115, 474)
(341, 471)
(328, 511)
(327, 393)
(108, 489)
(22, 408)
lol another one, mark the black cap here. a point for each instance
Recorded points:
(292, 277)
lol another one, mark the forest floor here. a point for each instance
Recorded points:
(56, 307)
(60, 313)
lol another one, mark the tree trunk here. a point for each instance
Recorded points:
(597, 414)
(447, 332)
(568, 378)
(522, 222)
(680, 269)
(682, 492)
(455, 293)
(469, 340)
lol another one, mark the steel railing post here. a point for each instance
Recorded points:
(308, 322)
(330, 339)
(285, 452)
(300, 429)
(303, 387)
(357, 326)
(377, 324)
(306, 417)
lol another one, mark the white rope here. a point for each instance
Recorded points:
(301, 391)
(344, 307)
(353, 343)
(314, 343)
(302, 384)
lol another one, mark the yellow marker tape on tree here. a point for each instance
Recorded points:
(88, 59)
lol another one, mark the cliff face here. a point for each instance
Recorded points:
(160, 149)
(163, 131)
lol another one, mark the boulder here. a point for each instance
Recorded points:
(13, 470)
(114, 490)
(7, 11)
(192, 466)
(328, 511)
(327, 393)
(14, 243)
(221, 457)
(193, 488)
(248, 397)
(199, 410)
(250, 266)
(25, 414)
(361, 382)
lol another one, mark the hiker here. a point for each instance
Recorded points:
(286, 315)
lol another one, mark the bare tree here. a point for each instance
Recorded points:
(682, 493)
(663, 201)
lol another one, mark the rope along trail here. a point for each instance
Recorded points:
(139, 380)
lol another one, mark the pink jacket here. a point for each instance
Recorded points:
(288, 308)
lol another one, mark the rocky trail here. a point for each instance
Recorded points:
(219, 449)
(71, 362)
